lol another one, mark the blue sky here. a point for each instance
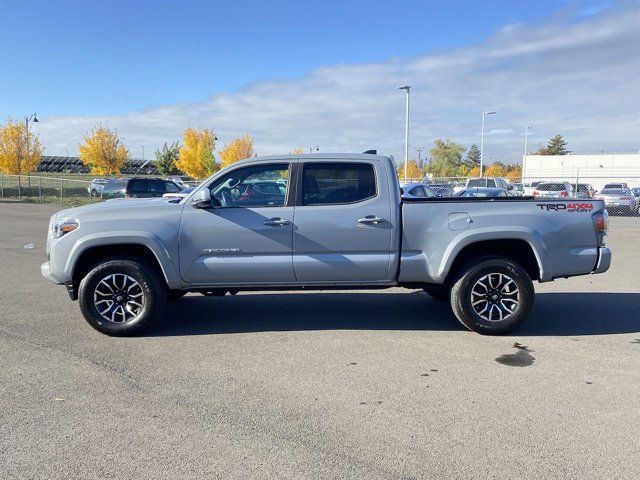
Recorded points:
(79, 57)
(295, 73)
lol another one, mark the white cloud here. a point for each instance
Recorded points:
(581, 80)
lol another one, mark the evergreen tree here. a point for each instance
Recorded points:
(166, 159)
(473, 157)
(556, 146)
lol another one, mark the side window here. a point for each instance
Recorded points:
(156, 186)
(417, 191)
(428, 192)
(491, 183)
(138, 186)
(336, 183)
(171, 187)
(259, 186)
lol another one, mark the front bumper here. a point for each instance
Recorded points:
(45, 268)
(604, 260)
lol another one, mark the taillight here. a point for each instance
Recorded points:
(601, 224)
(536, 192)
(564, 194)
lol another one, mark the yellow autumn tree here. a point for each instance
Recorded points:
(474, 172)
(414, 172)
(196, 154)
(103, 151)
(515, 173)
(20, 151)
(238, 149)
(494, 170)
(297, 151)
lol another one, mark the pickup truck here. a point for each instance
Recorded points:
(327, 221)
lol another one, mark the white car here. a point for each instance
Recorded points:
(553, 190)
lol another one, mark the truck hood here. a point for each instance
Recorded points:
(126, 206)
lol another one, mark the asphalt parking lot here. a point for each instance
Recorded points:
(319, 385)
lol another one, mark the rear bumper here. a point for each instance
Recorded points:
(604, 260)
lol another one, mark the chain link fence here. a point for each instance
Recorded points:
(46, 189)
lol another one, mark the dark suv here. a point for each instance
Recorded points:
(138, 188)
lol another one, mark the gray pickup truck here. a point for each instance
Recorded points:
(333, 221)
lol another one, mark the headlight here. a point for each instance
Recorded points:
(61, 228)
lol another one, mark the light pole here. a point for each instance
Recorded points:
(406, 131)
(524, 157)
(31, 118)
(484, 114)
(316, 148)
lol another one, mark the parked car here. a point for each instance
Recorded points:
(553, 189)
(441, 190)
(341, 222)
(184, 193)
(178, 180)
(416, 190)
(484, 192)
(138, 188)
(96, 186)
(636, 192)
(619, 200)
(615, 185)
(489, 182)
(530, 187)
(583, 190)
(518, 189)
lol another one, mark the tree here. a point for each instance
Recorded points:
(446, 158)
(414, 172)
(196, 154)
(473, 156)
(20, 151)
(103, 151)
(166, 159)
(496, 169)
(556, 146)
(239, 148)
(297, 151)
(515, 173)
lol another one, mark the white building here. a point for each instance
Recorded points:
(594, 169)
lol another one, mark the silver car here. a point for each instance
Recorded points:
(553, 190)
(619, 200)
(416, 190)
(96, 186)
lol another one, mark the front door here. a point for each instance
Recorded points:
(343, 225)
(246, 237)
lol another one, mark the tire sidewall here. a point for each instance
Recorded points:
(154, 296)
(461, 296)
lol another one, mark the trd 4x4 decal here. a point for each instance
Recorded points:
(569, 207)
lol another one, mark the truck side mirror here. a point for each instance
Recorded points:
(202, 199)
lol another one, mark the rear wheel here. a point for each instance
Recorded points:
(492, 296)
(121, 296)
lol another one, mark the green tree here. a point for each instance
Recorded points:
(473, 157)
(446, 158)
(166, 159)
(556, 146)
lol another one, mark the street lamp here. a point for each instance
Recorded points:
(406, 131)
(34, 119)
(524, 157)
(484, 114)
(316, 148)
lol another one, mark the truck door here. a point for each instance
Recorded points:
(343, 230)
(246, 237)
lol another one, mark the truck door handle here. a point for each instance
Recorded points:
(370, 220)
(276, 222)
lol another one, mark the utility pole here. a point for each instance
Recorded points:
(484, 114)
(406, 131)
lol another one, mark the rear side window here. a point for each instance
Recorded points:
(138, 186)
(115, 186)
(171, 187)
(477, 182)
(336, 183)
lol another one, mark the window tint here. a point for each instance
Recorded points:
(138, 186)
(259, 186)
(417, 191)
(335, 183)
(477, 182)
(171, 187)
(551, 187)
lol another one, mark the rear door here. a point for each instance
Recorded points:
(343, 223)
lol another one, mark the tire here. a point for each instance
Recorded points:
(508, 307)
(122, 296)
(175, 295)
(437, 292)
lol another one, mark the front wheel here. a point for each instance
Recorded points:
(492, 296)
(121, 296)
